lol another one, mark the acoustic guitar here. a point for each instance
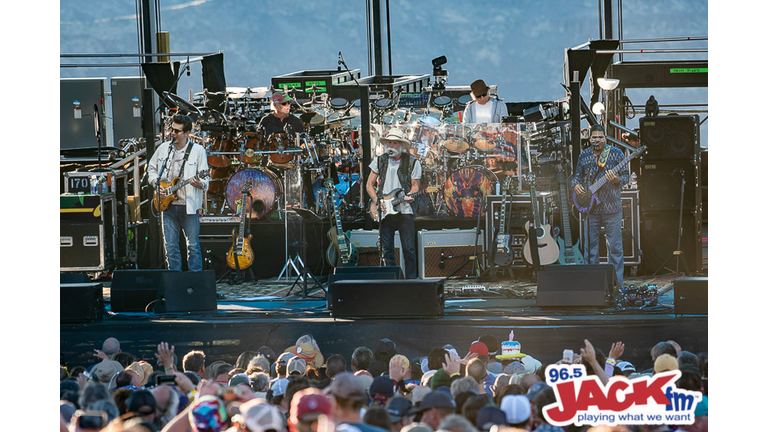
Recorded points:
(547, 249)
(161, 204)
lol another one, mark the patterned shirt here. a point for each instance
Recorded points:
(588, 171)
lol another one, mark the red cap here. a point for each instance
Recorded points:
(309, 401)
(479, 348)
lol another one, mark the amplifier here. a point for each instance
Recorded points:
(87, 234)
(630, 229)
(367, 244)
(449, 252)
(388, 298)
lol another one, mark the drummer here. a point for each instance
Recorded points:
(280, 119)
(484, 107)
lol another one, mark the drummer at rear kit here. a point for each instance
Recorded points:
(484, 107)
(280, 119)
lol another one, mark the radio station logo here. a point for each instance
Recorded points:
(584, 400)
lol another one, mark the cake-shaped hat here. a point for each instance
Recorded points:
(510, 349)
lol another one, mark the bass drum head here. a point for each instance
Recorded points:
(265, 190)
(466, 188)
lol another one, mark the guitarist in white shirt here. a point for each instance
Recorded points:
(170, 161)
(394, 175)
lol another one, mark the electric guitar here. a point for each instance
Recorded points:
(586, 201)
(391, 203)
(240, 255)
(569, 254)
(503, 256)
(161, 204)
(548, 251)
(341, 252)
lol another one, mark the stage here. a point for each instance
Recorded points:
(275, 313)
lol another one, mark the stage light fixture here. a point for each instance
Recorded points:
(607, 84)
(598, 108)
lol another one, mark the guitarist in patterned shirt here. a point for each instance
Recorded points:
(390, 171)
(180, 158)
(595, 162)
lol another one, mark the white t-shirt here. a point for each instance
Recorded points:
(483, 113)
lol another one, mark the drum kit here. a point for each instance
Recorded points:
(239, 152)
(460, 159)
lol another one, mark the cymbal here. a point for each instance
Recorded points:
(182, 103)
(341, 119)
(455, 144)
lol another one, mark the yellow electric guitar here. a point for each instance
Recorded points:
(161, 204)
(240, 255)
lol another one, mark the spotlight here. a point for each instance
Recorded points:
(607, 84)
(437, 71)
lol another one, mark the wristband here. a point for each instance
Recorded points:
(167, 369)
(610, 361)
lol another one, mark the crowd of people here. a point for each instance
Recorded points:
(298, 389)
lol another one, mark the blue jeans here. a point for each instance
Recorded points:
(404, 224)
(612, 224)
(175, 219)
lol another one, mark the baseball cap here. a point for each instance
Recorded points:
(279, 97)
(398, 407)
(260, 416)
(208, 414)
(437, 399)
(346, 385)
(383, 385)
(488, 416)
(308, 404)
(297, 364)
(478, 348)
(142, 402)
(278, 387)
(664, 363)
(516, 407)
(535, 388)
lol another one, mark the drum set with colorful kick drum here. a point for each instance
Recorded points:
(463, 162)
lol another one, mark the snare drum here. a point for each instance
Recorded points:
(466, 188)
(265, 190)
(277, 143)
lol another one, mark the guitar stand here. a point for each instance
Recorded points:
(678, 253)
(305, 215)
(475, 256)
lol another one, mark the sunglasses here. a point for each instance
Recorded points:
(285, 103)
(177, 130)
(482, 95)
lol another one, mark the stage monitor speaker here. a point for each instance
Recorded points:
(691, 296)
(81, 302)
(610, 272)
(659, 238)
(670, 137)
(660, 185)
(76, 278)
(586, 287)
(408, 298)
(187, 292)
(135, 290)
(360, 273)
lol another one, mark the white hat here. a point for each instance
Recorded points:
(396, 134)
(516, 407)
(259, 416)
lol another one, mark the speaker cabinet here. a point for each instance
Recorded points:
(661, 184)
(581, 287)
(659, 237)
(691, 296)
(135, 290)
(360, 273)
(187, 292)
(442, 253)
(409, 298)
(672, 137)
(607, 269)
(162, 291)
(81, 302)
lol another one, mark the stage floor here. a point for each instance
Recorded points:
(276, 312)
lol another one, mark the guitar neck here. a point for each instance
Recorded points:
(565, 213)
(604, 179)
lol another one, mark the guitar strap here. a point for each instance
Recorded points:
(601, 161)
(184, 161)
